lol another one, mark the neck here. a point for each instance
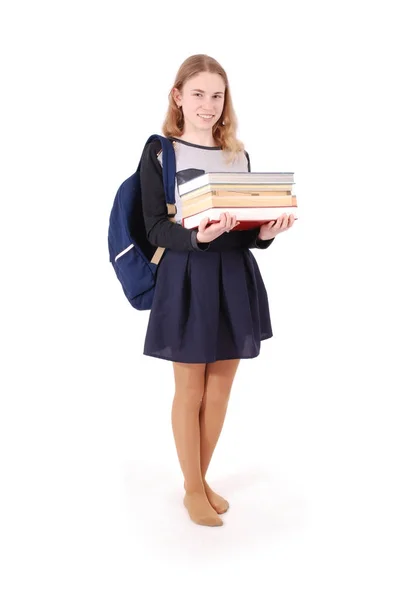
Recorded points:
(202, 138)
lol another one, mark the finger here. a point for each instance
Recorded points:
(284, 223)
(269, 224)
(203, 223)
(228, 222)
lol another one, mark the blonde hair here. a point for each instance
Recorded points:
(223, 134)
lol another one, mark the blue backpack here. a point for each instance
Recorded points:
(134, 258)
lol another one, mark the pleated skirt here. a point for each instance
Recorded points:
(208, 306)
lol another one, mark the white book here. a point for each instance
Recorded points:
(233, 178)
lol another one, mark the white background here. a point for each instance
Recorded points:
(91, 500)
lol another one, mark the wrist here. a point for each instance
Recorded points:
(197, 244)
(263, 243)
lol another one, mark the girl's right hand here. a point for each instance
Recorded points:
(207, 233)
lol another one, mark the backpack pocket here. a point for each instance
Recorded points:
(134, 272)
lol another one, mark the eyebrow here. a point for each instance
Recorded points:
(202, 91)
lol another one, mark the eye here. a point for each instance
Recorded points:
(215, 96)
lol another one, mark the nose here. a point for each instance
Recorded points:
(207, 106)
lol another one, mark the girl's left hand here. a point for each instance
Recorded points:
(270, 229)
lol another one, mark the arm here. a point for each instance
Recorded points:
(160, 230)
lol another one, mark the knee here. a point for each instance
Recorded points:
(189, 383)
(190, 396)
(217, 393)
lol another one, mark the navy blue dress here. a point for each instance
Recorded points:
(210, 301)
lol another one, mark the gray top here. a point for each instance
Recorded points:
(206, 159)
(192, 160)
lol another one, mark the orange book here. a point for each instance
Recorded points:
(268, 190)
(190, 207)
(251, 212)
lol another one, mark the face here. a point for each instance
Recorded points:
(202, 101)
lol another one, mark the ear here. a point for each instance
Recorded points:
(177, 97)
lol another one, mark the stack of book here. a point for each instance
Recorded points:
(253, 197)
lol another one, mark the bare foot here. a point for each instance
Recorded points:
(200, 510)
(219, 503)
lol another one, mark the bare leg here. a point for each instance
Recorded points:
(189, 389)
(218, 383)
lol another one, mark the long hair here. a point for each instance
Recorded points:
(224, 131)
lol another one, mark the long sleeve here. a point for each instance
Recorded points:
(159, 229)
(248, 238)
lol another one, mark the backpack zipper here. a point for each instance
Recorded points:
(123, 252)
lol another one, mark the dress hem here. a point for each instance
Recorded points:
(153, 355)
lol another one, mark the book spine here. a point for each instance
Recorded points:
(237, 189)
(235, 197)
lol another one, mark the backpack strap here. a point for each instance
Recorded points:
(169, 173)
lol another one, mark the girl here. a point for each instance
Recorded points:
(210, 306)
